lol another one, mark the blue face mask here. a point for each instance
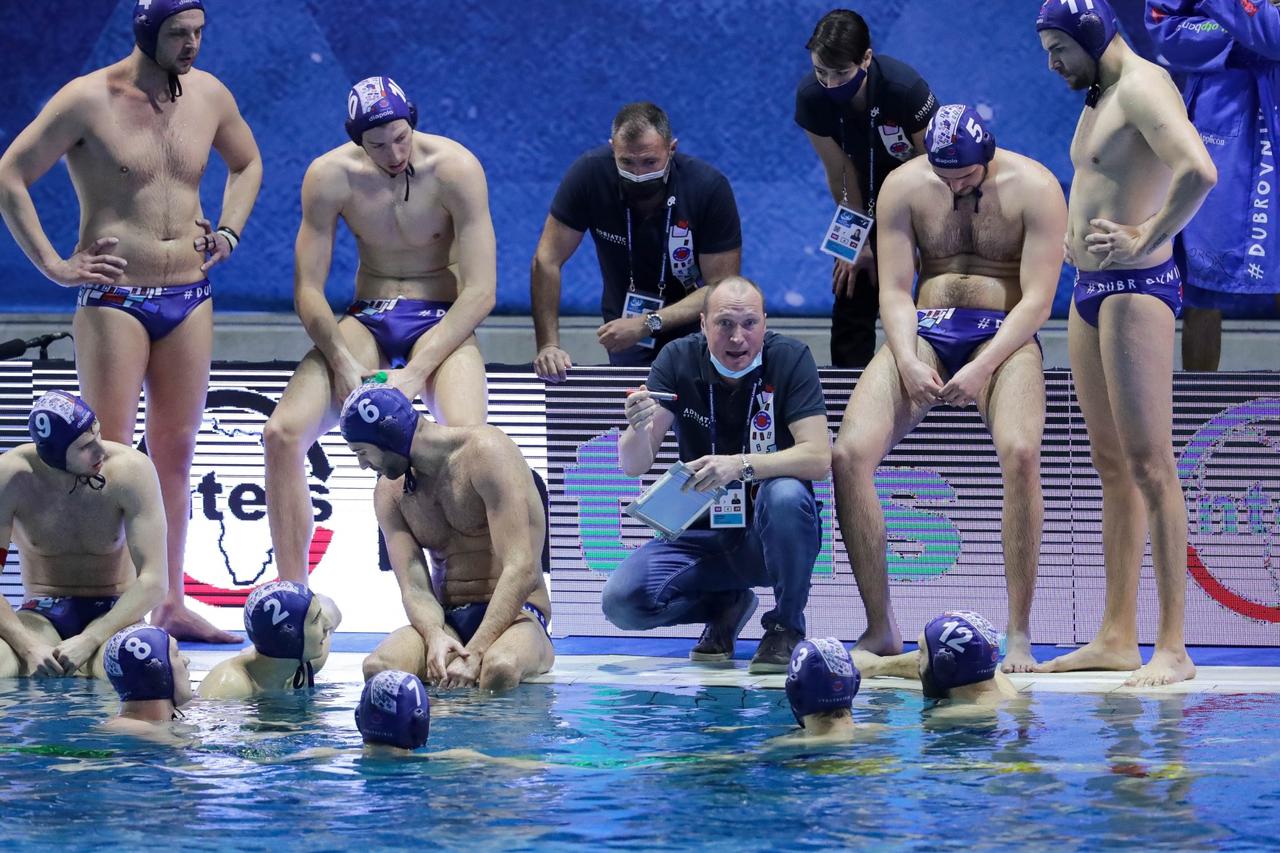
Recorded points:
(844, 93)
(736, 374)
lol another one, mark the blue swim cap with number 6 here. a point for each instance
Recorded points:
(379, 415)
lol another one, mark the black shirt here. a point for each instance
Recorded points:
(684, 368)
(899, 104)
(704, 221)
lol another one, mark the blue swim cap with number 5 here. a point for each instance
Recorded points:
(379, 415)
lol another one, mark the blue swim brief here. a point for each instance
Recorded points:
(397, 323)
(159, 309)
(954, 333)
(1164, 282)
(70, 615)
(467, 618)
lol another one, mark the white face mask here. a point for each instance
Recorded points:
(651, 176)
(736, 374)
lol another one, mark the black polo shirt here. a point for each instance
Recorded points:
(684, 368)
(704, 221)
(899, 104)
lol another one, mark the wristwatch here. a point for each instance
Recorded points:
(653, 323)
(748, 470)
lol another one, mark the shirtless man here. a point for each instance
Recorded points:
(291, 629)
(956, 662)
(153, 680)
(136, 136)
(821, 683)
(419, 208)
(478, 615)
(84, 513)
(1141, 172)
(987, 224)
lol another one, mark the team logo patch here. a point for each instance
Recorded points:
(762, 421)
(682, 253)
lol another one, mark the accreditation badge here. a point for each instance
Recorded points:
(637, 305)
(730, 509)
(847, 234)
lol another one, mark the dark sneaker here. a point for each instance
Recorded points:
(716, 643)
(774, 651)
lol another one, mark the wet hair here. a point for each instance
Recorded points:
(634, 120)
(840, 39)
(834, 714)
(733, 279)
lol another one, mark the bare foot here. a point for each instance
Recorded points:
(883, 641)
(1165, 667)
(182, 624)
(1096, 655)
(1017, 656)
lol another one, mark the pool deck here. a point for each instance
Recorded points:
(676, 673)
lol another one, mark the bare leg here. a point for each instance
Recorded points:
(519, 652)
(1013, 406)
(1136, 337)
(403, 649)
(10, 663)
(1201, 338)
(1124, 529)
(457, 393)
(112, 350)
(878, 415)
(306, 411)
(177, 384)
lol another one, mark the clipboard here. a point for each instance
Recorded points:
(667, 507)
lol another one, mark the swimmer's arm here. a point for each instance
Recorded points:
(1044, 221)
(842, 175)
(502, 484)
(227, 680)
(906, 665)
(896, 265)
(144, 531)
(235, 145)
(556, 245)
(465, 195)
(12, 631)
(409, 565)
(1155, 108)
(324, 191)
(33, 153)
(808, 459)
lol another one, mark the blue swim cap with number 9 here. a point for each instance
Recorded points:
(56, 421)
(379, 415)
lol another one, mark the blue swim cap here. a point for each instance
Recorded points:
(379, 415)
(275, 618)
(138, 665)
(956, 137)
(821, 678)
(1091, 23)
(150, 15)
(394, 710)
(376, 101)
(56, 421)
(962, 648)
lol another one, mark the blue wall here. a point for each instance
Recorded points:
(527, 87)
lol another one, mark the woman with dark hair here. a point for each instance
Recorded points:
(865, 115)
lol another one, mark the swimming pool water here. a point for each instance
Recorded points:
(626, 768)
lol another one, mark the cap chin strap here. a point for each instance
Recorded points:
(175, 87)
(96, 482)
(304, 676)
(977, 193)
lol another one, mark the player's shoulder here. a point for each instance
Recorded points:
(449, 159)
(332, 170)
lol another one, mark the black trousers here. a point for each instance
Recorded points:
(853, 325)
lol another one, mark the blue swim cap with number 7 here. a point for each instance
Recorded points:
(379, 415)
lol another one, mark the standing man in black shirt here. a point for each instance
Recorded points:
(749, 415)
(664, 224)
(865, 115)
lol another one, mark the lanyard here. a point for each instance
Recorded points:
(871, 163)
(662, 261)
(751, 402)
